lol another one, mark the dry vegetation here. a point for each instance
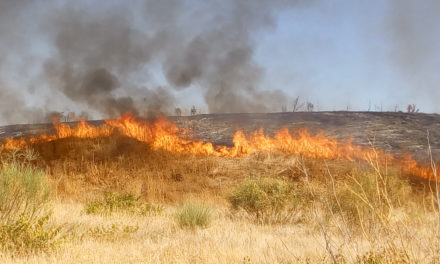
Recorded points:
(115, 201)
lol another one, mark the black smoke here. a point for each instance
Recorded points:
(103, 53)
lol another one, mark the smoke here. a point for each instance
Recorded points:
(118, 56)
(97, 56)
(220, 57)
(415, 42)
(198, 43)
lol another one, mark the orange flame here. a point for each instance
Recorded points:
(164, 135)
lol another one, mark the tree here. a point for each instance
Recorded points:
(193, 111)
(310, 107)
(297, 105)
(411, 108)
(178, 111)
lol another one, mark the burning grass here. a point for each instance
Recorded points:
(345, 210)
(165, 136)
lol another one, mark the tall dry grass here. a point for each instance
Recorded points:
(350, 212)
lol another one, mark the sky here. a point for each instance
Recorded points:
(221, 56)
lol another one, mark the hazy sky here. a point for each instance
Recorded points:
(337, 54)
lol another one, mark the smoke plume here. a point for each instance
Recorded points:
(415, 43)
(118, 56)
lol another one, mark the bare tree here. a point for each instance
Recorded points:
(84, 115)
(55, 116)
(411, 108)
(71, 116)
(310, 107)
(193, 111)
(297, 105)
(178, 111)
(283, 108)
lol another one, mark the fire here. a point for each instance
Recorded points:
(165, 135)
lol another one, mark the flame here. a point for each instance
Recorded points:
(165, 135)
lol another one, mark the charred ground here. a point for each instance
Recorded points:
(395, 132)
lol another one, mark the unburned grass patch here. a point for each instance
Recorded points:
(193, 214)
(369, 196)
(268, 200)
(24, 212)
(23, 190)
(30, 235)
(123, 203)
(112, 232)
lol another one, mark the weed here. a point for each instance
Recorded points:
(29, 235)
(126, 203)
(369, 196)
(383, 256)
(23, 190)
(24, 217)
(192, 215)
(112, 203)
(150, 209)
(269, 200)
(112, 232)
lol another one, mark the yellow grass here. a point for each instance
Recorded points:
(227, 240)
(82, 170)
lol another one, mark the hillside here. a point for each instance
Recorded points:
(391, 131)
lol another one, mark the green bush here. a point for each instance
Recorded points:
(192, 215)
(127, 203)
(24, 211)
(112, 232)
(23, 191)
(269, 200)
(30, 235)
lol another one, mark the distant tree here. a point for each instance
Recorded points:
(310, 107)
(411, 108)
(193, 111)
(84, 115)
(55, 116)
(71, 116)
(297, 105)
(178, 111)
(283, 108)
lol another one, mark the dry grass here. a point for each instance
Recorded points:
(339, 199)
(158, 239)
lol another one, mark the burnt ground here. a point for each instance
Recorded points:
(395, 132)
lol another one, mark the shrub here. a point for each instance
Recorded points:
(112, 203)
(112, 232)
(269, 200)
(24, 214)
(150, 209)
(23, 191)
(368, 196)
(30, 235)
(192, 215)
(127, 203)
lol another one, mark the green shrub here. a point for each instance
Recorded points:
(269, 200)
(192, 215)
(23, 191)
(30, 235)
(150, 209)
(112, 203)
(127, 203)
(112, 232)
(24, 211)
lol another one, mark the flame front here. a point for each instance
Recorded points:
(165, 135)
